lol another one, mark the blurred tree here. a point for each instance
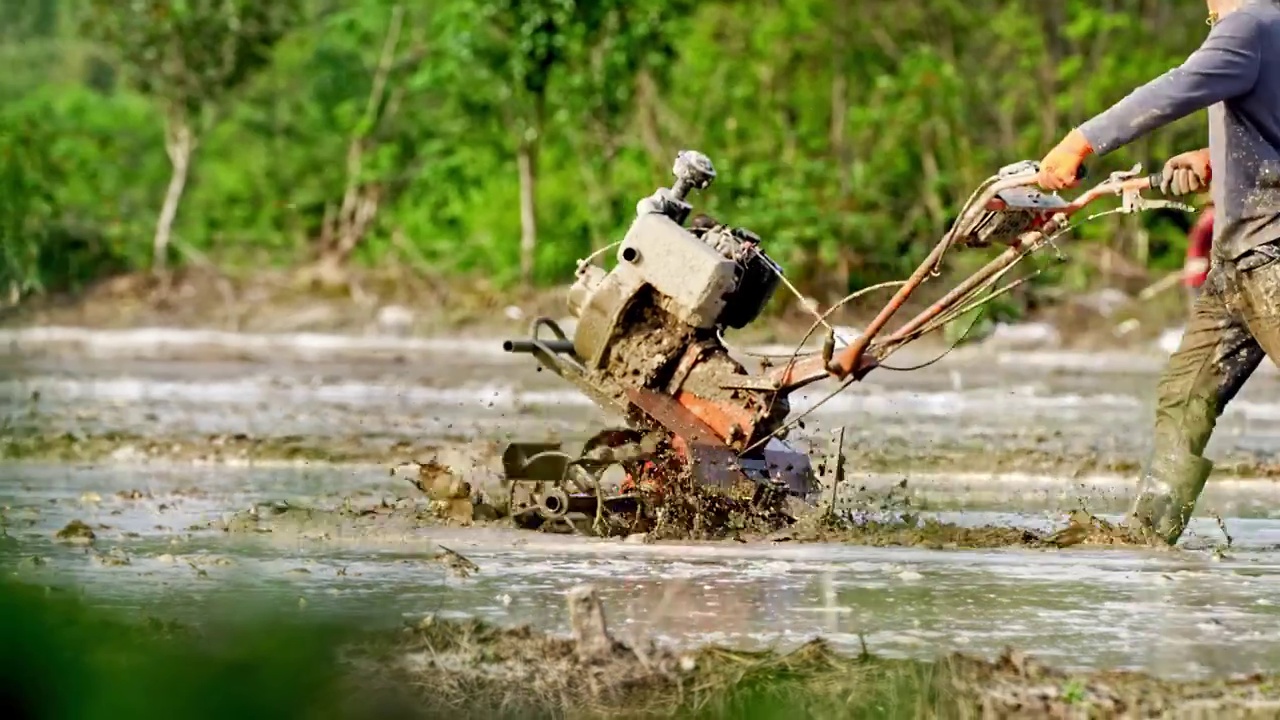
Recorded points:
(505, 54)
(27, 207)
(188, 55)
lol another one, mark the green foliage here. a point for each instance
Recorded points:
(57, 229)
(846, 133)
(26, 205)
(189, 53)
(64, 659)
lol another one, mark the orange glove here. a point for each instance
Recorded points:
(1061, 166)
(1186, 173)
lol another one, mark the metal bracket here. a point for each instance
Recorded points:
(1122, 175)
(1132, 201)
(1022, 168)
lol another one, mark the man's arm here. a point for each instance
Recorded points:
(1225, 66)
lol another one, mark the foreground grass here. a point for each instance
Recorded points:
(65, 659)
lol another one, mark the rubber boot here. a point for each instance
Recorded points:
(1167, 494)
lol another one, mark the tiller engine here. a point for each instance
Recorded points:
(647, 344)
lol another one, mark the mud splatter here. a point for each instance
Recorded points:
(890, 520)
(1084, 528)
(909, 531)
(457, 563)
(76, 531)
(941, 455)
(384, 517)
(687, 510)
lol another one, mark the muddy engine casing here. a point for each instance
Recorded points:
(653, 320)
(704, 277)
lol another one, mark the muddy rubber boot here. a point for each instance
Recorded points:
(1167, 495)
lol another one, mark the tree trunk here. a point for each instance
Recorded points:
(1055, 49)
(343, 231)
(647, 101)
(179, 143)
(838, 136)
(839, 115)
(527, 165)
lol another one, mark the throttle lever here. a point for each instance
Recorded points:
(1132, 201)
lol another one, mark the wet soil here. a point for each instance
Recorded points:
(684, 513)
(282, 302)
(263, 478)
(33, 445)
(180, 540)
(856, 527)
(123, 447)
(471, 495)
(286, 301)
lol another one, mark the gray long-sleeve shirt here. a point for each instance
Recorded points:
(1236, 74)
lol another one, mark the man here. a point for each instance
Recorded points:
(1236, 320)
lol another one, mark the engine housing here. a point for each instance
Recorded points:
(707, 276)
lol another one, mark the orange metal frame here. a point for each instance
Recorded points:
(737, 424)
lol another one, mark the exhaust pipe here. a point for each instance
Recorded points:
(560, 347)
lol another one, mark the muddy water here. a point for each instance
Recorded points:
(1176, 614)
(1060, 405)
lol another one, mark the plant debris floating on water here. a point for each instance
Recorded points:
(76, 531)
(456, 563)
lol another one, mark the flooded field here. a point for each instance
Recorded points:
(980, 440)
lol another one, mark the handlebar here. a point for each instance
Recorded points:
(1154, 180)
(1114, 187)
(989, 199)
(851, 359)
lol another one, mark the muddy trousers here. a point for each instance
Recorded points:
(1234, 324)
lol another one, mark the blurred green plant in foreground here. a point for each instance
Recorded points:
(64, 659)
